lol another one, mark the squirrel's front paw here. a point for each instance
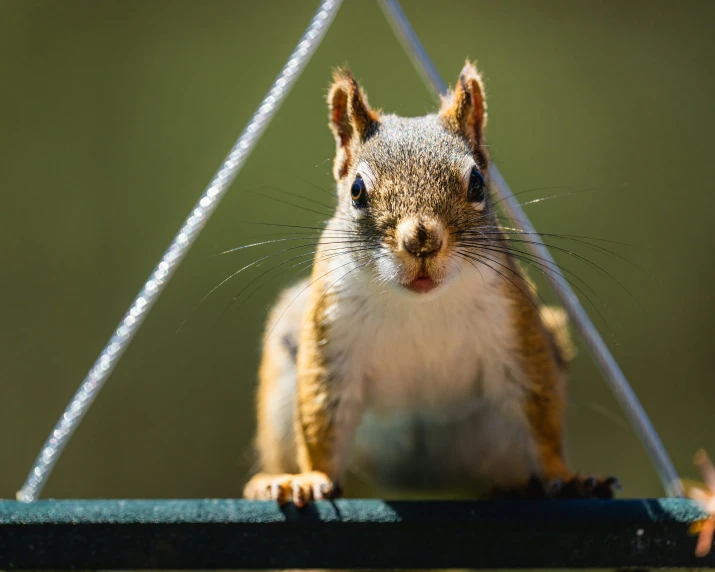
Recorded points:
(582, 487)
(567, 487)
(301, 488)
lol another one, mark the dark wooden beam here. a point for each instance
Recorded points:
(234, 534)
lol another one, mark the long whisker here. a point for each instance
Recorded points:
(312, 184)
(330, 207)
(322, 162)
(301, 265)
(543, 268)
(583, 259)
(371, 258)
(539, 263)
(491, 212)
(596, 238)
(555, 187)
(245, 246)
(534, 190)
(585, 240)
(303, 227)
(456, 253)
(246, 267)
(547, 270)
(291, 238)
(289, 203)
(303, 290)
(573, 238)
(321, 256)
(474, 257)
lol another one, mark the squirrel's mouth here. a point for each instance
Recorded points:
(422, 284)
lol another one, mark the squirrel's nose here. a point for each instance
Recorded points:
(421, 240)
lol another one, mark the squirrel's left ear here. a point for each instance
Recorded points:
(351, 119)
(464, 110)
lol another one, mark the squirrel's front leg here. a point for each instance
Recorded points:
(327, 411)
(544, 413)
(543, 410)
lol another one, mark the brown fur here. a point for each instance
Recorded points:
(464, 111)
(546, 391)
(315, 419)
(351, 118)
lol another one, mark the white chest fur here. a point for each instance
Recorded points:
(436, 378)
(440, 352)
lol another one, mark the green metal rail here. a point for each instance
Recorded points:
(235, 534)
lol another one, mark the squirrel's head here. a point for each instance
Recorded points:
(413, 189)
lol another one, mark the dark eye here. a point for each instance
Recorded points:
(475, 192)
(358, 193)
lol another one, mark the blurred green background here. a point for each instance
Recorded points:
(114, 115)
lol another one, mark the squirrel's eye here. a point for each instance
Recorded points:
(475, 192)
(358, 193)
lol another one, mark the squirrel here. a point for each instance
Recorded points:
(416, 349)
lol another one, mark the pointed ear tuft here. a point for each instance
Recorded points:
(464, 110)
(351, 118)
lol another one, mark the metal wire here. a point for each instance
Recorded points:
(181, 244)
(609, 368)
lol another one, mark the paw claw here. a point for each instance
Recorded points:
(555, 487)
(302, 488)
(614, 483)
(589, 484)
(299, 496)
(322, 491)
(276, 492)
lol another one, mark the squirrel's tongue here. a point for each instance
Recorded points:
(422, 285)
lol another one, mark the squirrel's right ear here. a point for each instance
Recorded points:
(351, 119)
(464, 110)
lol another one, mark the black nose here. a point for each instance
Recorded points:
(422, 243)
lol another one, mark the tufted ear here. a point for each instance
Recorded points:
(351, 119)
(464, 110)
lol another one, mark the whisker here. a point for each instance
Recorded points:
(302, 197)
(289, 203)
(520, 231)
(542, 263)
(573, 238)
(310, 237)
(304, 227)
(583, 259)
(473, 257)
(246, 267)
(555, 187)
(312, 184)
(544, 269)
(370, 259)
(301, 292)
(489, 213)
(585, 240)
(244, 246)
(322, 163)
(320, 257)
